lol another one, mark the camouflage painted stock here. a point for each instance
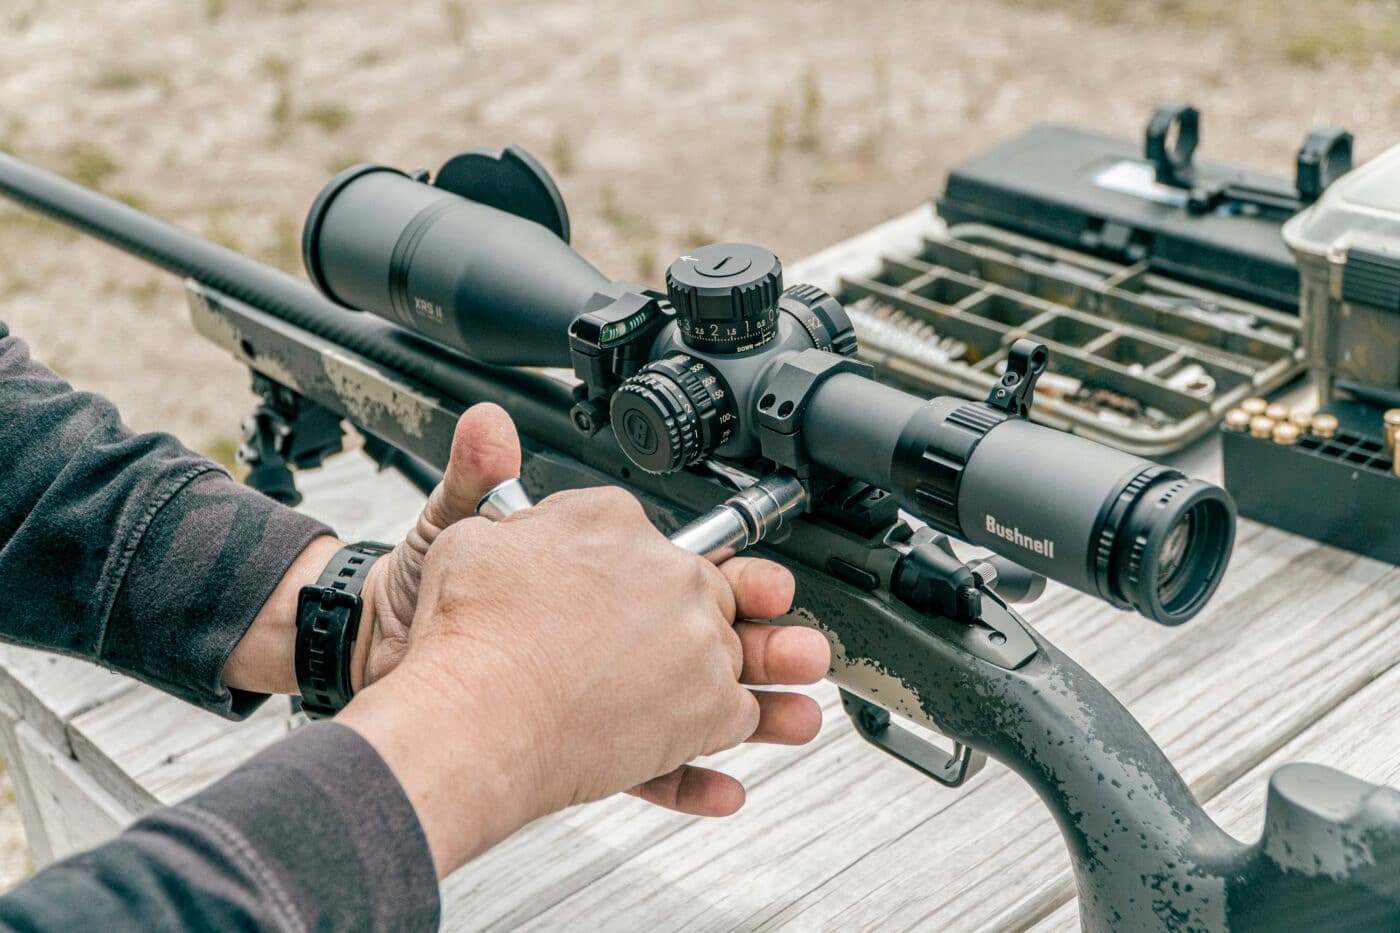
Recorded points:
(1145, 854)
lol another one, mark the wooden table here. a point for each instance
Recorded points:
(1296, 659)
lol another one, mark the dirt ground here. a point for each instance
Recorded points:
(791, 123)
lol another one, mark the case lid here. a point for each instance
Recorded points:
(1360, 209)
(1100, 194)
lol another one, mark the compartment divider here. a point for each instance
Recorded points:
(1126, 330)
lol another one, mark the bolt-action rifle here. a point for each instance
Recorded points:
(733, 398)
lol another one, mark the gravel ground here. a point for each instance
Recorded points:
(792, 124)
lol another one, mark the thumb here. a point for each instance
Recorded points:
(485, 452)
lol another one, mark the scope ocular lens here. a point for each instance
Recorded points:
(1173, 550)
(1175, 543)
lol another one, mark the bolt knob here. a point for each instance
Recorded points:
(726, 297)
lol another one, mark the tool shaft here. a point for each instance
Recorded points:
(740, 522)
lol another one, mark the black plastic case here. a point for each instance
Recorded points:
(1098, 194)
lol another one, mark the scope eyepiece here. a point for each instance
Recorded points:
(1118, 527)
(1164, 544)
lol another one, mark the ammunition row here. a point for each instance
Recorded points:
(1276, 422)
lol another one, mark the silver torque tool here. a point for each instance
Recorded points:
(505, 498)
(741, 521)
(744, 519)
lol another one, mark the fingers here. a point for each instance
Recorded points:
(693, 790)
(786, 718)
(762, 589)
(782, 654)
(485, 452)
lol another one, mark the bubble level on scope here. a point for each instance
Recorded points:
(616, 331)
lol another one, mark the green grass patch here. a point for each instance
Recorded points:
(330, 117)
(458, 20)
(696, 237)
(12, 133)
(646, 266)
(90, 165)
(561, 153)
(223, 450)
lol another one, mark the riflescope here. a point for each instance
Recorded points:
(729, 365)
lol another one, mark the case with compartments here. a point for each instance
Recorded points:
(1161, 284)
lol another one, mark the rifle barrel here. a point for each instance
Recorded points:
(186, 254)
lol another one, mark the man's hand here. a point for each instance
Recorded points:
(485, 451)
(572, 652)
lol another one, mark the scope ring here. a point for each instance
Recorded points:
(783, 402)
(1173, 163)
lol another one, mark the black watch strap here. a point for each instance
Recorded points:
(328, 620)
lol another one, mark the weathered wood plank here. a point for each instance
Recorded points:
(359, 503)
(1360, 736)
(177, 776)
(580, 845)
(75, 811)
(35, 833)
(120, 740)
(47, 690)
(934, 858)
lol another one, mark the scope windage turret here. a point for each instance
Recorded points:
(493, 285)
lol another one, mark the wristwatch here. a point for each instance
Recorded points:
(328, 621)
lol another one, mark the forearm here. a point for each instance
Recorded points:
(314, 833)
(126, 549)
